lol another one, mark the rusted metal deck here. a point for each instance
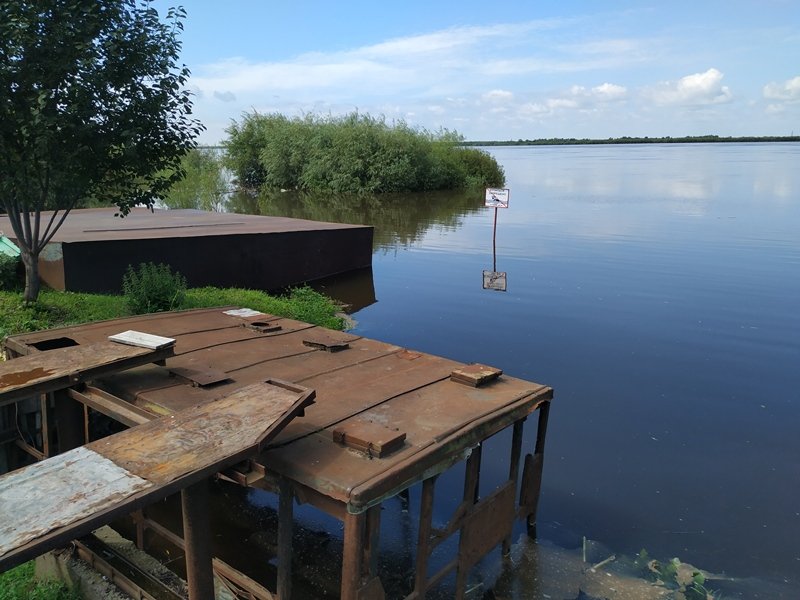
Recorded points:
(93, 248)
(50, 502)
(385, 418)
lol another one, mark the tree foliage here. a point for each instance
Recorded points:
(204, 186)
(92, 106)
(354, 153)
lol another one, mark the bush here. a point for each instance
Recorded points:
(153, 288)
(355, 153)
(9, 272)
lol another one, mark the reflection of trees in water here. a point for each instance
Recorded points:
(398, 219)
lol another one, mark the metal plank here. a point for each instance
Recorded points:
(55, 492)
(108, 404)
(165, 449)
(63, 367)
(267, 411)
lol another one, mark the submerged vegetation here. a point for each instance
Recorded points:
(355, 153)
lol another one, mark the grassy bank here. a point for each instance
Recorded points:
(19, 584)
(60, 309)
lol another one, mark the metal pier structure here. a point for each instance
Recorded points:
(384, 418)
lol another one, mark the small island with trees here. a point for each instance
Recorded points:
(354, 153)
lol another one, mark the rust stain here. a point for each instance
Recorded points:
(23, 377)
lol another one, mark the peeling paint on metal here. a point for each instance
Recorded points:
(41, 497)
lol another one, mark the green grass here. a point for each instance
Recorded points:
(19, 584)
(62, 309)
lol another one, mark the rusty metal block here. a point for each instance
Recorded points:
(475, 374)
(373, 438)
(324, 341)
(198, 377)
(262, 326)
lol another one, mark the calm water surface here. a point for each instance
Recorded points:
(656, 288)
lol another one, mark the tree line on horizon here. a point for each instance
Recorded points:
(689, 139)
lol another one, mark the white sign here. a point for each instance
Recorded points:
(497, 197)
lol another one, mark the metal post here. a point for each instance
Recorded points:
(285, 519)
(494, 242)
(197, 535)
(353, 554)
(471, 488)
(424, 540)
(532, 473)
(513, 469)
(69, 421)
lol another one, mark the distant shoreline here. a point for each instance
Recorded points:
(694, 139)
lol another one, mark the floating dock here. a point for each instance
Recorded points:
(93, 248)
(384, 418)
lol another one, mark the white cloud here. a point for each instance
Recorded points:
(498, 96)
(788, 91)
(610, 92)
(225, 96)
(699, 89)
(607, 92)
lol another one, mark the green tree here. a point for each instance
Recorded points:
(204, 186)
(92, 107)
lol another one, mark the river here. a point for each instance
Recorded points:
(656, 288)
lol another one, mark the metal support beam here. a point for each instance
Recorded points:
(352, 558)
(285, 517)
(197, 534)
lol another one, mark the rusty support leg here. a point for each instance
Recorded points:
(513, 469)
(532, 473)
(86, 435)
(372, 541)
(353, 554)
(140, 520)
(44, 401)
(424, 539)
(69, 421)
(197, 535)
(471, 482)
(285, 520)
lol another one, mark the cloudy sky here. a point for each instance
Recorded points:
(503, 69)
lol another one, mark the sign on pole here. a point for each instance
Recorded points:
(497, 197)
(494, 280)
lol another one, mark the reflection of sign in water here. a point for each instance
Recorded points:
(496, 198)
(494, 280)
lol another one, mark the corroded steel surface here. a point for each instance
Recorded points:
(91, 251)
(406, 391)
(68, 495)
(93, 224)
(61, 367)
(41, 497)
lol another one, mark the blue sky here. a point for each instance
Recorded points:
(503, 70)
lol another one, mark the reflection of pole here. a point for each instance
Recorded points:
(494, 242)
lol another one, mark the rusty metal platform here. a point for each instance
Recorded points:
(385, 418)
(93, 248)
(51, 502)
